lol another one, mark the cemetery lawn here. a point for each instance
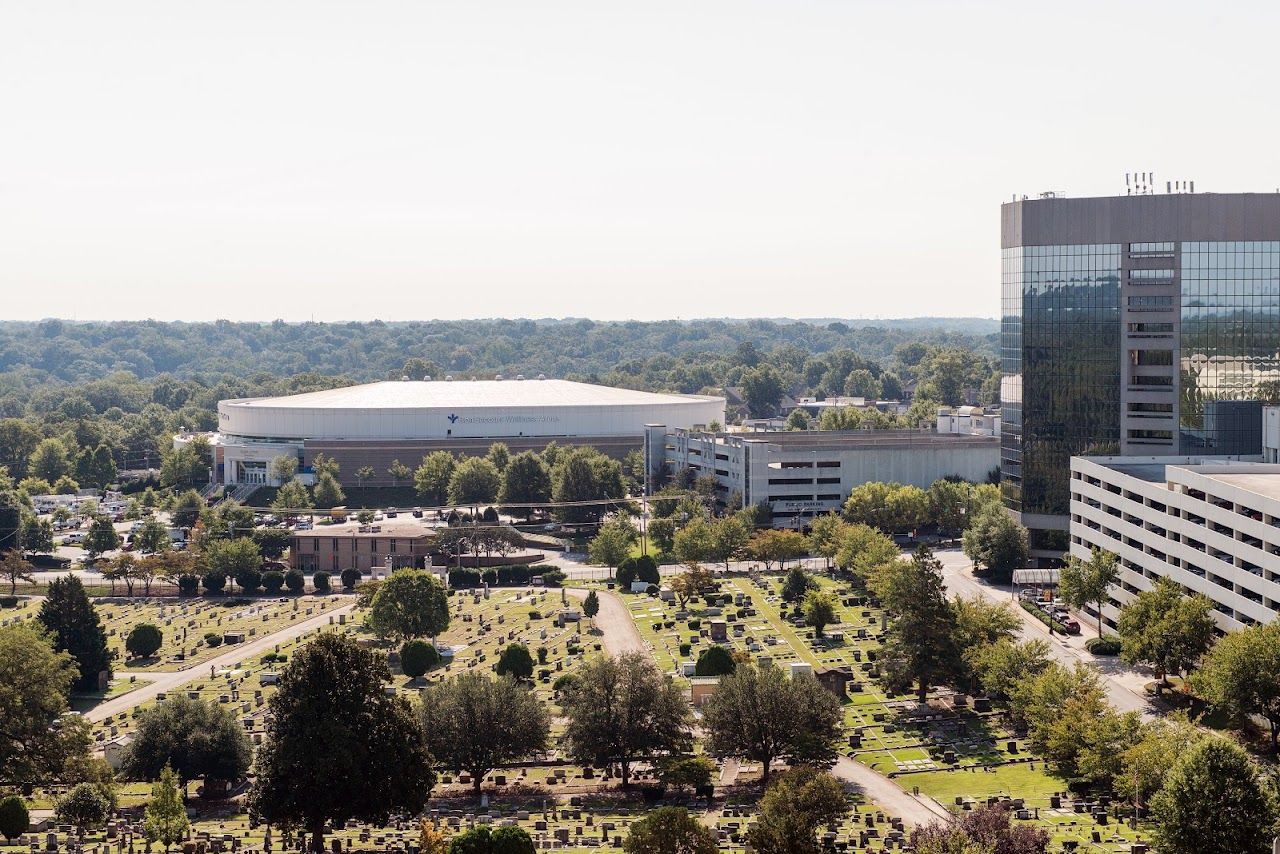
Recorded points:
(184, 623)
(946, 750)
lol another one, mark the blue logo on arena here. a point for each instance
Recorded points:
(453, 418)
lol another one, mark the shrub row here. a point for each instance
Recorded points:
(516, 575)
(272, 581)
(1043, 617)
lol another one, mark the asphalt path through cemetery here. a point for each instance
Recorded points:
(158, 683)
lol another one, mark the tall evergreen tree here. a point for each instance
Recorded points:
(921, 642)
(74, 625)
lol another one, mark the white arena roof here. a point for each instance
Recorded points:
(462, 409)
(412, 394)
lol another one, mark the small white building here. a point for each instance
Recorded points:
(1212, 525)
(968, 420)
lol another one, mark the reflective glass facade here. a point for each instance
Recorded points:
(1060, 354)
(1229, 340)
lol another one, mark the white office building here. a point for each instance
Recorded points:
(802, 474)
(1212, 525)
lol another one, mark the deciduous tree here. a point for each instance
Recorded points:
(374, 759)
(152, 537)
(165, 816)
(526, 480)
(819, 611)
(1166, 630)
(102, 537)
(84, 807)
(197, 739)
(409, 604)
(758, 714)
(863, 551)
(14, 568)
(796, 804)
(475, 723)
(621, 708)
(431, 478)
(1238, 675)
(774, 546)
(398, 471)
(612, 543)
(1213, 802)
(995, 540)
(1083, 582)
(37, 681)
(982, 830)
(475, 480)
(327, 491)
(669, 830)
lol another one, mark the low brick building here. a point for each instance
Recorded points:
(333, 548)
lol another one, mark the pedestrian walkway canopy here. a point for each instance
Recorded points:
(1035, 576)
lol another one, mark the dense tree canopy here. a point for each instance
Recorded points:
(34, 684)
(195, 738)
(337, 746)
(759, 714)
(410, 604)
(476, 723)
(621, 708)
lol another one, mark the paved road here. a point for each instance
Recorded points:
(888, 795)
(164, 682)
(1123, 684)
(615, 623)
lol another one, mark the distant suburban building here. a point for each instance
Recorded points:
(1132, 325)
(377, 423)
(1210, 525)
(816, 407)
(972, 420)
(803, 474)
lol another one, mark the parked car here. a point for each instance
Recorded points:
(73, 539)
(1070, 624)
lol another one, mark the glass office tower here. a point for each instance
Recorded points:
(1137, 325)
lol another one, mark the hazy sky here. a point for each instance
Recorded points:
(355, 160)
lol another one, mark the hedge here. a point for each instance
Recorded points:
(1056, 625)
(1108, 645)
(517, 575)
